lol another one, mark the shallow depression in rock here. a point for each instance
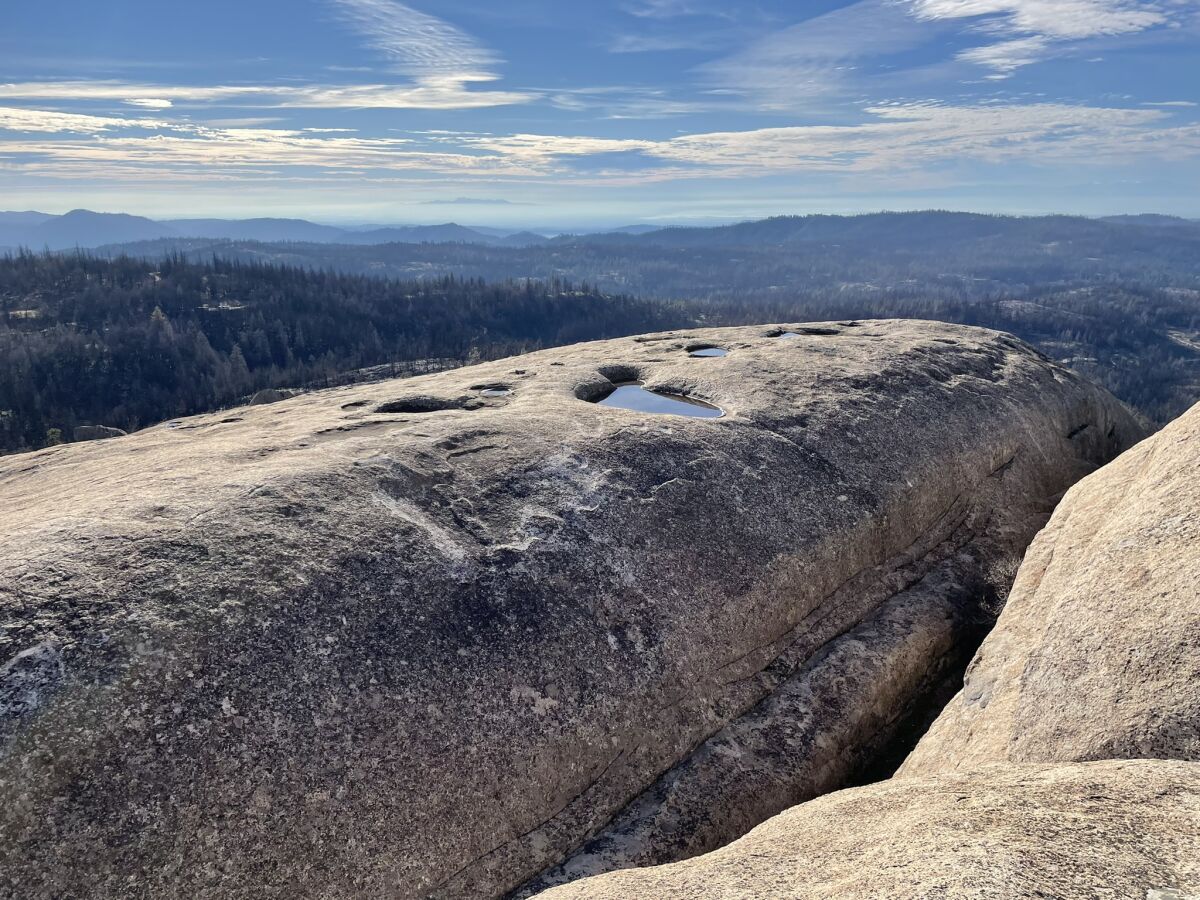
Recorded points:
(632, 395)
(709, 351)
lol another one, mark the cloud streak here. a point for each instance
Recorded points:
(434, 91)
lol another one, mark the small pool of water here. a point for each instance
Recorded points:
(632, 395)
(709, 351)
(788, 334)
(496, 392)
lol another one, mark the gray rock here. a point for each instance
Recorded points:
(411, 638)
(96, 433)
(1097, 654)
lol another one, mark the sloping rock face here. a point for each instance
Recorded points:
(426, 637)
(1097, 655)
(1105, 829)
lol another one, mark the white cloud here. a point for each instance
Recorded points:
(31, 121)
(417, 43)
(1029, 30)
(896, 140)
(1057, 19)
(442, 61)
(1006, 56)
(430, 92)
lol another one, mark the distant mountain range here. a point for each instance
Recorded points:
(87, 230)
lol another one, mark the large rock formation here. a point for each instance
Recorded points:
(1097, 655)
(428, 636)
(1072, 832)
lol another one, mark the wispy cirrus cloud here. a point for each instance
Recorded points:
(1028, 31)
(417, 43)
(442, 63)
(820, 56)
(897, 137)
(434, 91)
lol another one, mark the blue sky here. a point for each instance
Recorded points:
(540, 112)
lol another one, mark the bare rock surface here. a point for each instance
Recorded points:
(428, 637)
(96, 433)
(1097, 654)
(1128, 829)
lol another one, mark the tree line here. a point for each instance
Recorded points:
(125, 344)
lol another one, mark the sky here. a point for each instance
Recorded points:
(551, 113)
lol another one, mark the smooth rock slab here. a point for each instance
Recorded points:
(1071, 832)
(404, 639)
(1097, 654)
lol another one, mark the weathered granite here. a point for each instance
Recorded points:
(96, 433)
(1097, 654)
(406, 639)
(1008, 832)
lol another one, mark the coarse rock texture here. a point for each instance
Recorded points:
(1127, 829)
(1097, 654)
(411, 639)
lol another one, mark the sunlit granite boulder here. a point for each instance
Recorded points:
(451, 635)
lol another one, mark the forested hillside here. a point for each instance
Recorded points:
(128, 341)
(125, 343)
(1117, 300)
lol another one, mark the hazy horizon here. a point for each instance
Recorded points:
(498, 223)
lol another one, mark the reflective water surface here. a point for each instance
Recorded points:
(633, 396)
(709, 351)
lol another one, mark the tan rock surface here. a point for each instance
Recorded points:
(1124, 829)
(413, 638)
(1097, 653)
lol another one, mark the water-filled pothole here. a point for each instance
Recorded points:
(631, 395)
(496, 392)
(815, 332)
(701, 352)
